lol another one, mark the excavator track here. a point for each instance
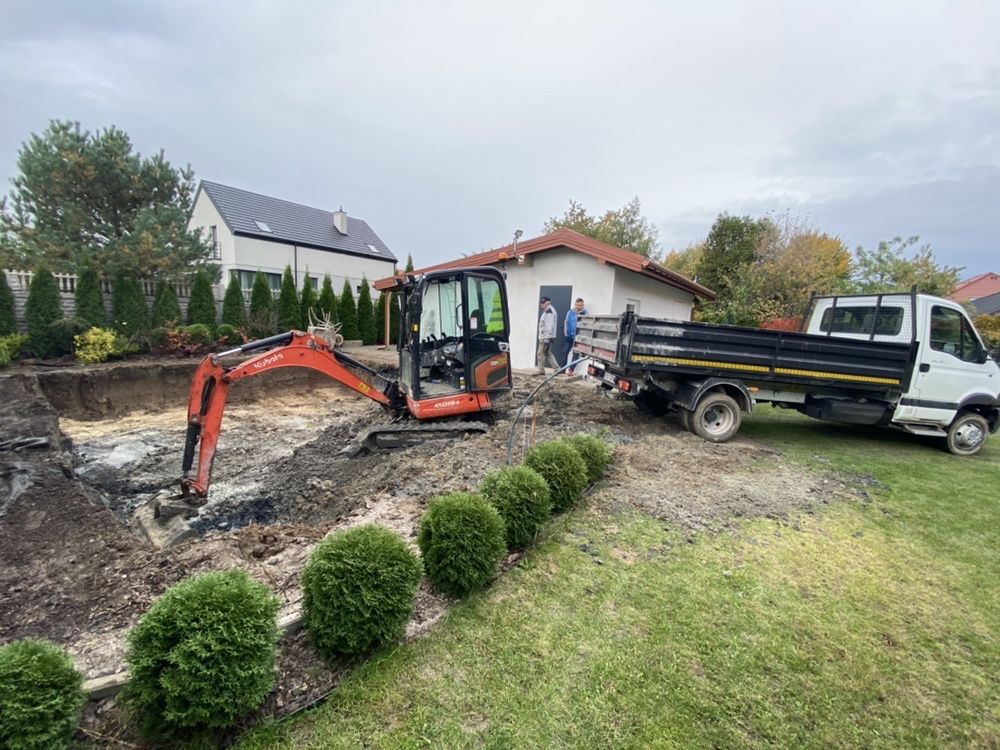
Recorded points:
(407, 434)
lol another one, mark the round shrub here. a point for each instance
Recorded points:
(198, 334)
(596, 454)
(562, 469)
(40, 696)
(462, 539)
(523, 499)
(359, 588)
(203, 655)
(95, 345)
(228, 335)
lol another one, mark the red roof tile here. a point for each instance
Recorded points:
(601, 251)
(982, 285)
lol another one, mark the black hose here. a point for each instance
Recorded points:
(528, 400)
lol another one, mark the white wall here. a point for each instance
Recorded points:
(656, 300)
(272, 257)
(604, 288)
(250, 254)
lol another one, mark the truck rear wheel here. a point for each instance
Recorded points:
(716, 418)
(967, 434)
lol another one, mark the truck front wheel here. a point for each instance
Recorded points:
(967, 434)
(716, 418)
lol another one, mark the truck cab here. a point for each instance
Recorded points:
(952, 376)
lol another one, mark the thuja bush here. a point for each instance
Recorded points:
(166, 307)
(234, 312)
(289, 312)
(328, 304)
(523, 500)
(347, 312)
(8, 321)
(41, 310)
(40, 696)
(359, 587)
(201, 305)
(63, 332)
(89, 300)
(202, 656)
(128, 306)
(462, 539)
(366, 315)
(563, 470)
(261, 318)
(198, 334)
(596, 454)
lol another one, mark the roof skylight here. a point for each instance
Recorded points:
(373, 248)
(262, 226)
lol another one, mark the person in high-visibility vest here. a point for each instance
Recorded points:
(495, 323)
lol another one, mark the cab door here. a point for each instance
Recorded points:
(949, 369)
(487, 331)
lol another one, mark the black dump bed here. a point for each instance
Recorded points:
(632, 346)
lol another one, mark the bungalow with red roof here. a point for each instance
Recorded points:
(565, 265)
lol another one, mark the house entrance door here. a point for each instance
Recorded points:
(562, 300)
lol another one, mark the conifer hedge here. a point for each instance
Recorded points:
(289, 312)
(563, 470)
(307, 301)
(41, 310)
(166, 307)
(89, 300)
(234, 311)
(366, 315)
(328, 303)
(348, 313)
(8, 320)
(201, 306)
(261, 319)
(523, 500)
(128, 306)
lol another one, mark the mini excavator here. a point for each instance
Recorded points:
(453, 359)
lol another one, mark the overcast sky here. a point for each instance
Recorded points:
(448, 125)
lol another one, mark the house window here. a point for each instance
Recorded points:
(247, 277)
(214, 244)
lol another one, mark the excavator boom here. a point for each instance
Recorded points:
(210, 389)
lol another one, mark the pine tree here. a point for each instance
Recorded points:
(233, 309)
(8, 321)
(307, 301)
(288, 303)
(380, 319)
(41, 310)
(348, 313)
(89, 300)
(166, 308)
(128, 305)
(201, 306)
(328, 303)
(366, 318)
(409, 263)
(261, 307)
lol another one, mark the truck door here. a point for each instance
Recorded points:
(948, 370)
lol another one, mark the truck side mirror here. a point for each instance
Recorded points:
(982, 356)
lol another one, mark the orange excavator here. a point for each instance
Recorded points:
(453, 360)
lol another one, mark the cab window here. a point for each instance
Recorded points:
(952, 334)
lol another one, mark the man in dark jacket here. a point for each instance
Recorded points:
(569, 330)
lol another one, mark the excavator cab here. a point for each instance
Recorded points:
(454, 341)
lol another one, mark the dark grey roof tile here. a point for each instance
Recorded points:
(247, 213)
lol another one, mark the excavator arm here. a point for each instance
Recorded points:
(210, 388)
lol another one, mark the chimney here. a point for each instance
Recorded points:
(340, 220)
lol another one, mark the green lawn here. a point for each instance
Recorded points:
(868, 625)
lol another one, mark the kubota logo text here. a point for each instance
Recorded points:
(267, 361)
(446, 404)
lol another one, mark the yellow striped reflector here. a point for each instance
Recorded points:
(761, 368)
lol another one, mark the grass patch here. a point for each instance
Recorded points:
(870, 625)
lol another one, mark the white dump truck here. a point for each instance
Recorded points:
(910, 361)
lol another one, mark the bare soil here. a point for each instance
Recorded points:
(75, 569)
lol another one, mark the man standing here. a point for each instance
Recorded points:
(546, 335)
(569, 330)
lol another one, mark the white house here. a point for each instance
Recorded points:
(565, 265)
(251, 232)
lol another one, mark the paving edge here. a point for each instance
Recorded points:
(109, 685)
